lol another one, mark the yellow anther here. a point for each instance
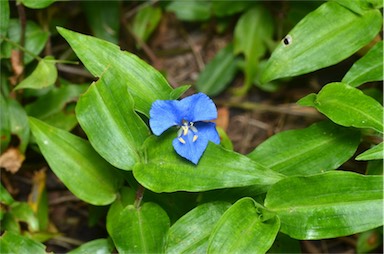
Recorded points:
(181, 140)
(185, 130)
(194, 138)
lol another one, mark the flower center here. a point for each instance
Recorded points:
(185, 127)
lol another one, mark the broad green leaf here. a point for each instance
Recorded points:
(227, 8)
(19, 124)
(246, 227)
(104, 18)
(359, 6)
(144, 83)
(145, 22)
(218, 73)
(191, 232)
(163, 170)
(37, 4)
(324, 37)
(35, 39)
(4, 19)
(327, 205)
(348, 106)
(140, 229)
(375, 153)
(79, 167)
(54, 106)
(194, 10)
(308, 100)
(252, 32)
(106, 114)
(44, 75)
(321, 147)
(11, 242)
(368, 68)
(98, 246)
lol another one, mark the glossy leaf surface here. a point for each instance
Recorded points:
(143, 82)
(368, 68)
(11, 242)
(324, 37)
(348, 106)
(106, 114)
(321, 147)
(191, 232)
(140, 230)
(327, 205)
(39, 4)
(43, 76)
(375, 153)
(79, 167)
(164, 171)
(98, 246)
(244, 228)
(218, 73)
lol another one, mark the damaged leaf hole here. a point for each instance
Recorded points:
(287, 40)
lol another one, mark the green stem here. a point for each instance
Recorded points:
(21, 48)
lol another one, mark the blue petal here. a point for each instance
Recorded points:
(198, 107)
(191, 151)
(163, 115)
(208, 131)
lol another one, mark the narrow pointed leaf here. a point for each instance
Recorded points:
(140, 230)
(375, 153)
(244, 228)
(328, 205)
(4, 19)
(191, 232)
(106, 114)
(165, 171)
(324, 37)
(218, 73)
(368, 68)
(321, 147)
(76, 164)
(43, 76)
(348, 106)
(146, 21)
(143, 82)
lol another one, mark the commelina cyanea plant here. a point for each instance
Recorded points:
(191, 115)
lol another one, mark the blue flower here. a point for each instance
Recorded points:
(191, 115)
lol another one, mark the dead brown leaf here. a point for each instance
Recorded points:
(11, 160)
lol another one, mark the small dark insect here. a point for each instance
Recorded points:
(287, 40)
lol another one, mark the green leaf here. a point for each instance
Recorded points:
(324, 37)
(5, 125)
(44, 75)
(369, 241)
(53, 107)
(140, 229)
(146, 21)
(21, 211)
(165, 171)
(4, 19)
(191, 232)
(358, 6)
(190, 10)
(99, 246)
(308, 100)
(78, 166)
(143, 82)
(375, 167)
(348, 106)
(106, 114)
(218, 73)
(246, 227)
(37, 4)
(327, 205)
(5, 197)
(11, 242)
(375, 153)
(104, 18)
(227, 8)
(321, 147)
(35, 39)
(19, 124)
(368, 68)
